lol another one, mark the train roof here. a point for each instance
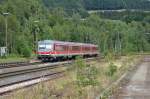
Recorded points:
(63, 42)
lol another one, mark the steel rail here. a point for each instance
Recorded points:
(21, 74)
(29, 71)
(26, 83)
(14, 70)
(17, 64)
(27, 76)
(20, 69)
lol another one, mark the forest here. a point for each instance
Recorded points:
(81, 6)
(50, 19)
(99, 4)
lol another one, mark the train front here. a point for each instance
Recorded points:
(44, 50)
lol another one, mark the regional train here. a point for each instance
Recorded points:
(57, 50)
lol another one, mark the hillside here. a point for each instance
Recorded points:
(99, 4)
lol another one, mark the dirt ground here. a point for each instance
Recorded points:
(139, 83)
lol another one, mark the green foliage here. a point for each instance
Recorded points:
(112, 69)
(127, 16)
(24, 49)
(98, 4)
(116, 37)
(86, 74)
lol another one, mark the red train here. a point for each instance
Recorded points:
(54, 50)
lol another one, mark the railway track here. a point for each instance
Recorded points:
(29, 74)
(18, 64)
(29, 82)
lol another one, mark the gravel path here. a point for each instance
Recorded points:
(139, 84)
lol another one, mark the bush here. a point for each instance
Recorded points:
(26, 52)
(24, 49)
(86, 74)
(112, 69)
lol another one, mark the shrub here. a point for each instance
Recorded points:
(24, 49)
(86, 74)
(26, 52)
(112, 69)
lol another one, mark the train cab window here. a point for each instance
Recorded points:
(49, 46)
(41, 47)
(45, 47)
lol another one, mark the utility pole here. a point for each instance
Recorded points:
(36, 36)
(6, 30)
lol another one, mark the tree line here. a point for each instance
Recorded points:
(117, 36)
(99, 4)
(81, 6)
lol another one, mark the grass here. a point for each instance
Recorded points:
(66, 87)
(12, 58)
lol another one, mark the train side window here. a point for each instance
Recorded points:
(94, 48)
(75, 48)
(61, 47)
(87, 48)
(84, 48)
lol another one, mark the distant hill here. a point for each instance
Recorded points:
(99, 4)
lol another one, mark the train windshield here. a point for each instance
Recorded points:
(45, 47)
